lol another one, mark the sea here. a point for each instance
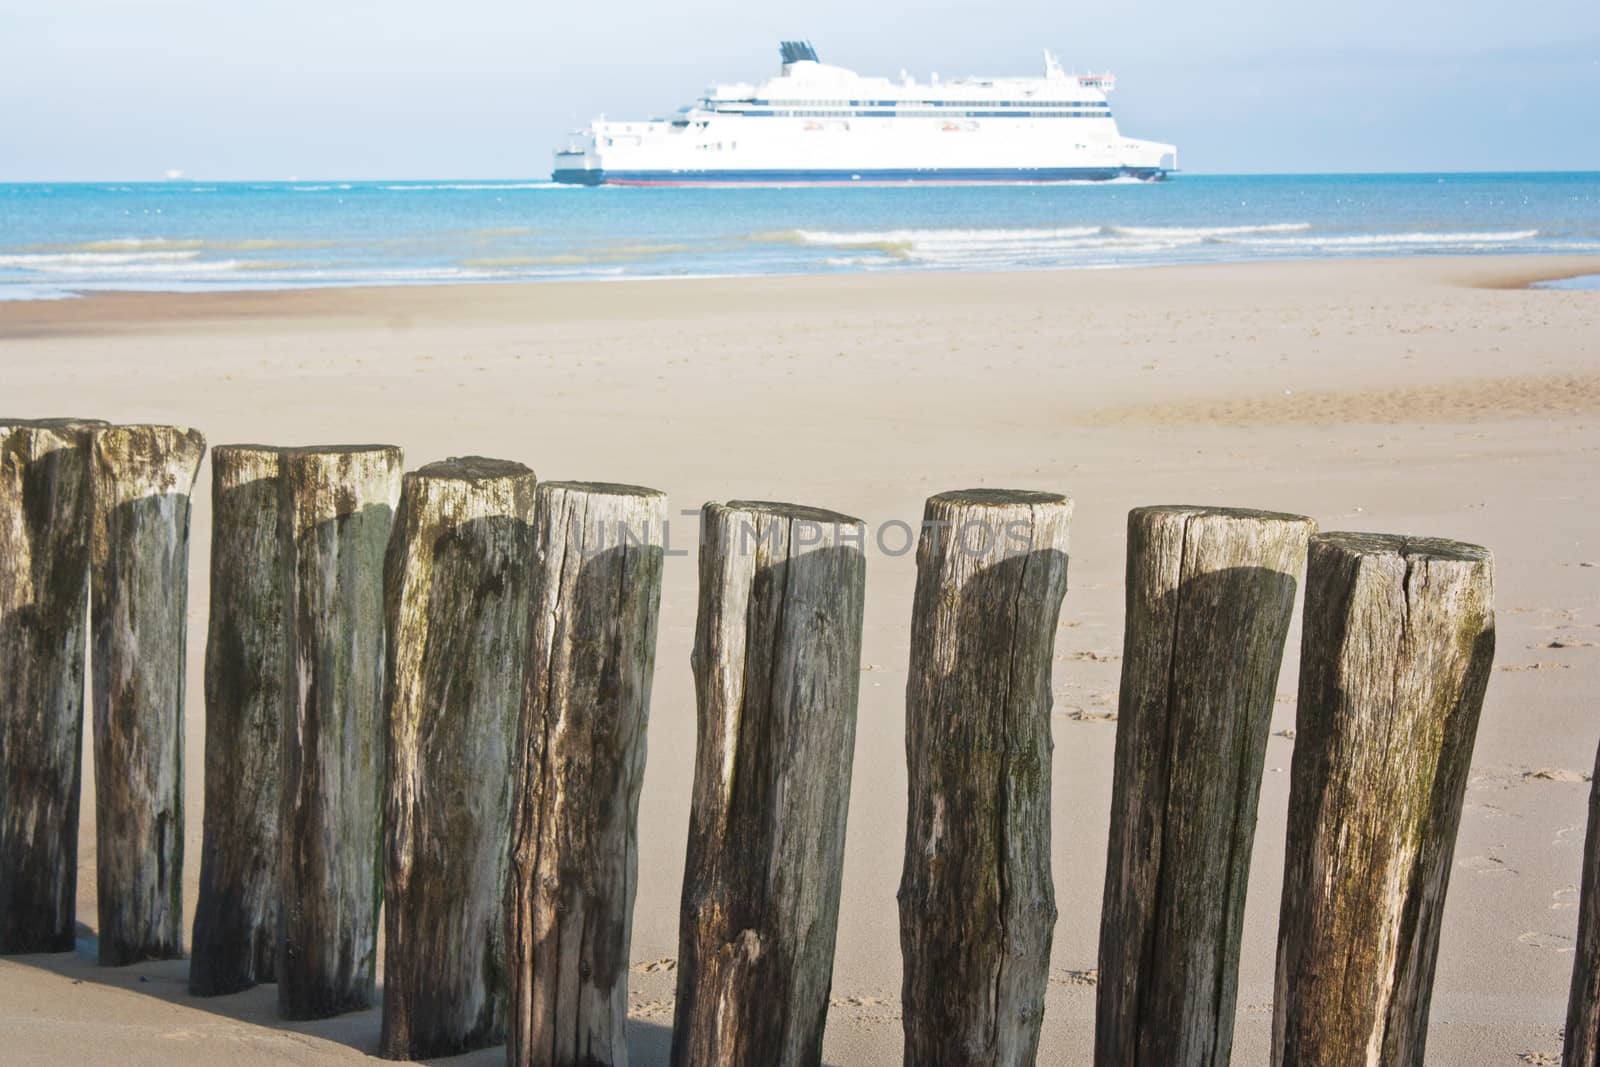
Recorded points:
(63, 239)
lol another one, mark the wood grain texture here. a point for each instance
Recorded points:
(1210, 593)
(141, 479)
(247, 650)
(1581, 1045)
(597, 595)
(777, 659)
(336, 511)
(1396, 655)
(457, 582)
(45, 527)
(977, 905)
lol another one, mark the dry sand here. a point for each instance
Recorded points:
(1426, 396)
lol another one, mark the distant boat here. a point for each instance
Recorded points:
(820, 124)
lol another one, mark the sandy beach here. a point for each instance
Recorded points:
(1432, 396)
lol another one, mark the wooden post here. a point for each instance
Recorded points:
(977, 906)
(236, 916)
(1582, 1045)
(777, 660)
(45, 523)
(597, 592)
(141, 480)
(1398, 644)
(337, 508)
(1210, 592)
(457, 581)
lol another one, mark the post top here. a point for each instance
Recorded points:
(601, 489)
(792, 512)
(1405, 546)
(242, 446)
(334, 450)
(306, 451)
(1000, 498)
(153, 428)
(142, 443)
(1223, 512)
(472, 469)
(57, 423)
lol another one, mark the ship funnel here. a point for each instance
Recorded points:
(796, 52)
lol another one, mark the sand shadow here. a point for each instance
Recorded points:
(167, 981)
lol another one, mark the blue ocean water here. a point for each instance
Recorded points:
(60, 239)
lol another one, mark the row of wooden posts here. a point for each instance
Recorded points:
(430, 691)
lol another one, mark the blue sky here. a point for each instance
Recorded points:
(128, 89)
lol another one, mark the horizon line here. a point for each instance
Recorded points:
(187, 180)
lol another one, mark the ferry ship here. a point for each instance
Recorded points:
(820, 124)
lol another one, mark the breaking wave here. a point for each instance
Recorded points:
(1364, 240)
(1112, 244)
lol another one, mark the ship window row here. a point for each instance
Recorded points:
(1032, 104)
(905, 113)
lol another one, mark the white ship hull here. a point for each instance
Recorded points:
(822, 124)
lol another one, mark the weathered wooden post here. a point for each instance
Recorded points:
(1397, 650)
(597, 593)
(236, 915)
(1210, 592)
(336, 511)
(777, 660)
(977, 907)
(141, 479)
(45, 524)
(1581, 1047)
(457, 582)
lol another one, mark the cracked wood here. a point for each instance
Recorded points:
(45, 527)
(141, 480)
(1210, 593)
(236, 915)
(456, 586)
(777, 660)
(1396, 654)
(335, 513)
(977, 906)
(596, 599)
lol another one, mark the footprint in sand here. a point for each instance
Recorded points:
(1541, 1059)
(1080, 715)
(650, 1009)
(866, 1009)
(1487, 811)
(1090, 977)
(1554, 774)
(1569, 835)
(1563, 899)
(665, 963)
(1487, 865)
(1552, 942)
